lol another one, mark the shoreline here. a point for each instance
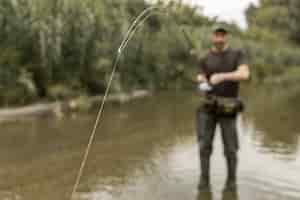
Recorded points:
(60, 108)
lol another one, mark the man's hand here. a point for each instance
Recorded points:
(216, 79)
(201, 78)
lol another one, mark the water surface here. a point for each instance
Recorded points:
(147, 149)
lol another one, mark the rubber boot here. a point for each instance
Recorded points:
(231, 173)
(204, 183)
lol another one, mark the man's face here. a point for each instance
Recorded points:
(219, 39)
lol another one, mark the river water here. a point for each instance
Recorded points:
(147, 150)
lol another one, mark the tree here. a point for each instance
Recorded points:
(281, 17)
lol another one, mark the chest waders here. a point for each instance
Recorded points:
(223, 111)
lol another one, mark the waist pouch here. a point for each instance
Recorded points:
(229, 106)
(223, 106)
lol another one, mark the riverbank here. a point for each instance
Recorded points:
(60, 108)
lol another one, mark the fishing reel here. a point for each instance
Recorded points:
(205, 87)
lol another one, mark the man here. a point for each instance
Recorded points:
(222, 68)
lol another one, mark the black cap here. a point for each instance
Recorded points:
(220, 29)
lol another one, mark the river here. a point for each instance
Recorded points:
(147, 150)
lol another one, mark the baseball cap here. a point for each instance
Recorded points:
(220, 28)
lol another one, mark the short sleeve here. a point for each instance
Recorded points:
(242, 58)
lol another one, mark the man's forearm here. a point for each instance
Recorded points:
(235, 76)
(242, 74)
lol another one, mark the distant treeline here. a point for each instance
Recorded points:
(66, 48)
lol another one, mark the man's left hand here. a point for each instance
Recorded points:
(216, 79)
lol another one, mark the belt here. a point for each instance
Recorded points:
(222, 105)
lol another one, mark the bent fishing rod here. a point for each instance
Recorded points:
(140, 20)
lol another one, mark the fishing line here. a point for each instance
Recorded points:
(139, 20)
(132, 29)
(148, 12)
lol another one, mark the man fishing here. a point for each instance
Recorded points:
(220, 73)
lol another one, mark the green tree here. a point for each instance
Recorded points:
(281, 17)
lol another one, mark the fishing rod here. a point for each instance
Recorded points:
(188, 39)
(140, 20)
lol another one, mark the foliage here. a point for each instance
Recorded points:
(280, 17)
(63, 48)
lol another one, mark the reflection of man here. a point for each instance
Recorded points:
(222, 68)
(227, 195)
(232, 195)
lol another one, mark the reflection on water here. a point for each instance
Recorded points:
(276, 127)
(147, 149)
(230, 195)
(206, 195)
(226, 195)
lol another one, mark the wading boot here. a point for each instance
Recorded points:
(231, 173)
(204, 183)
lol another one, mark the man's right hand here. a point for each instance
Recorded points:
(201, 78)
